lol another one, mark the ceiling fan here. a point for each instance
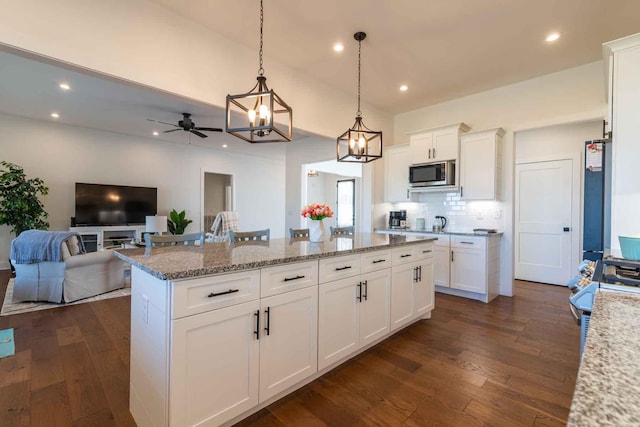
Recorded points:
(187, 125)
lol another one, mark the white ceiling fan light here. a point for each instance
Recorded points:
(64, 86)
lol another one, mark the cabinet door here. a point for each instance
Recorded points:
(402, 294)
(469, 270)
(288, 340)
(424, 290)
(478, 167)
(338, 320)
(421, 148)
(445, 144)
(396, 178)
(441, 265)
(374, 309)
(210, 350)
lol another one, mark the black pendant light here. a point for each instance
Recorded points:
(251, 116)
(359, 144)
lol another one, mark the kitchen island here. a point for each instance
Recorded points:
(221, 331)
(607, 389)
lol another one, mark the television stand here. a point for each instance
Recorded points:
(97, 238)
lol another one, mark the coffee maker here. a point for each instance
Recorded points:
(398, 219)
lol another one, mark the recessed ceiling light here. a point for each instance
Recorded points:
(552, 37)
(156, 133)
(338, 47)
(404, 88)
(55, 115)
(224, 145)
(64, 86)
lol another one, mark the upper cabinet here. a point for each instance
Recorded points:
(623, 59)
(396, 177)
(437, 144)
(480, 165)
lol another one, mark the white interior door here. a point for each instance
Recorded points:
(545, 225)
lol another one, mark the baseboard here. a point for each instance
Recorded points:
(463, 294)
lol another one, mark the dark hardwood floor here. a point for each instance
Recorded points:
(512, 362)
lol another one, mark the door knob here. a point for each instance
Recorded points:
(566, 229)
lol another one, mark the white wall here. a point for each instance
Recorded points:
(143, 42)
(63, 155)
(571, 95)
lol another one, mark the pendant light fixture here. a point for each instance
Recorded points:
(359, 144)
(251, 116)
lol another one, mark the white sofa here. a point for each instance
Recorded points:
(76, 277)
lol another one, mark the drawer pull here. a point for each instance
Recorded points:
(426, 252)
(346, 267)
(378, 260)
(288, 279)
(405, 255)
(467, 243)
(217, 294)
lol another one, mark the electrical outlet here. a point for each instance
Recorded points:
(497, 214)
(145, 309)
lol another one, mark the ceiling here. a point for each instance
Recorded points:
(440, 49)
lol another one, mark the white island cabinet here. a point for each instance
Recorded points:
(211, 346)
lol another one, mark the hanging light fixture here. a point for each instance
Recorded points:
(251, 116)
(359, 144)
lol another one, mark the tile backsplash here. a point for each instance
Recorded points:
(462, 215)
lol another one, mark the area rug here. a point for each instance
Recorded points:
(9, 307)
(7, 346)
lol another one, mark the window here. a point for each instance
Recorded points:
(346, 203)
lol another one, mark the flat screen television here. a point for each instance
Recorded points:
(99, 204)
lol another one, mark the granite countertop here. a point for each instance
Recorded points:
(608, 385)
(447, 232)
(172, 263)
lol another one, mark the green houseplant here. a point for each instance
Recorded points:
(20, 206)
(177, 222)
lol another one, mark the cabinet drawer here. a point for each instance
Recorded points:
(424, 251)
(339, 267)
(288, 277)
(409, 253)
(377, 260)
(209, 293)
(468, 242)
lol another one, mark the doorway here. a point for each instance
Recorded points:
(217, 196)
(346, 203)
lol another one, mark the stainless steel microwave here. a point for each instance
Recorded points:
(432, 174)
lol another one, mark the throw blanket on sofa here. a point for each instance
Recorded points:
(37, 245)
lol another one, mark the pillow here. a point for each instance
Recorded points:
(73, 246)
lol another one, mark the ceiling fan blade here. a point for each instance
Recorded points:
(209, 129)
(170, 130)
(200, 134)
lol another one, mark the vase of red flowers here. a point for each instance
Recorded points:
(316, 212)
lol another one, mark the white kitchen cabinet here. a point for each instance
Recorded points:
(397, 159)
(288, 340)
(354, 311)
(411, 284)
(441, 259)
(623, 59)
(480, 165)
(437, 144)
(474, 266)
(208, 350)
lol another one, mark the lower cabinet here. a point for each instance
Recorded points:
(353, 312)
(412, 289)
(469, 264)
(288, 340)
(208, 350)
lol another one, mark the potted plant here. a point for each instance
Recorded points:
(20, 206)
(177, 222)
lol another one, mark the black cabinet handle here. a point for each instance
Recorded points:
(366, 289)
(378, 260)
(267, 311)
(288, 279)
(451, 256)
(415, 274)
(405, 255)
(359, 297)
(257, 331)
(343, 268)
(420, 273)
(426, 252)
(467, 243)
(217, 294)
